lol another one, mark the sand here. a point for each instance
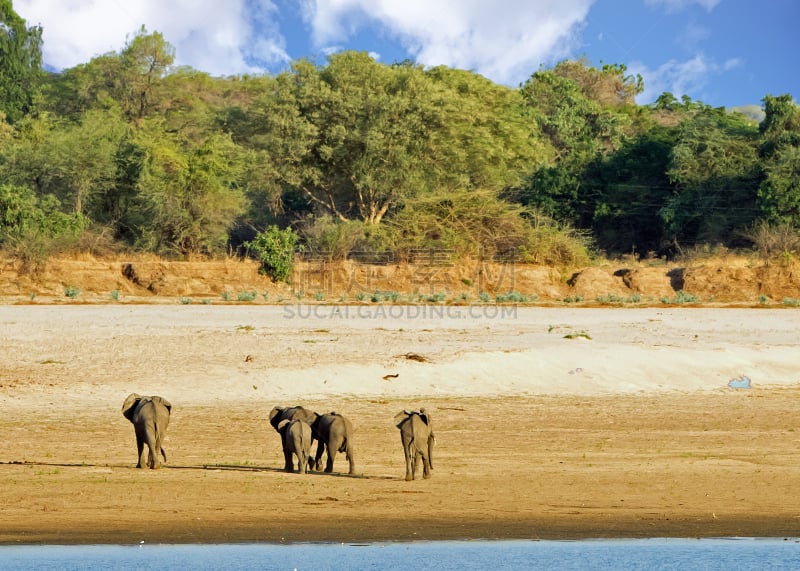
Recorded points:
(550, 422)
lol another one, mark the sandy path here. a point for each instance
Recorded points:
(626, 429)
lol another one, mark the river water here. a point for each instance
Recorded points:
(645, 554)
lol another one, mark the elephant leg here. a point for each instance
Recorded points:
(302, 462)
(154, 461)
(288, 462)
(409, 462)
(160, 448)
(426, 465)
(331, 456)
(350, 458)
(318, 456)
(140, 454)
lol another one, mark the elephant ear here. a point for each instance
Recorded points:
(283, 424)
(163, 401)
(400, 417)
(273, 413)
(130, 405)
(426, 417)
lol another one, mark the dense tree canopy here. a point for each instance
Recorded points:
(20, 62)
(354, 154)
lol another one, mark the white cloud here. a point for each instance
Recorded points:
(505, 40)
(220, 38)
(692, 36)
(680, 77)
(678, 5)
(732, 63)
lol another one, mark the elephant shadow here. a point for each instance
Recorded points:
(226, 467)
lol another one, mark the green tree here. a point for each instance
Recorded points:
(715, 171)
(779, 192)
(81, 161)
(358, 138)
(581, 130)
(73, 161)
(131, 80)
(631, 187)
(20, 63)
(188, 196)
(145, 61)
(33, 228)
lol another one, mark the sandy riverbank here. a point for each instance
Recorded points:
(550, 422)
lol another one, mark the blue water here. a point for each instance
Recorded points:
(649, 554)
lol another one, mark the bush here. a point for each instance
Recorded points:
(334, 238)
(72, 292)
(274, 249)
(246, 295)
(774, 240)
(32, 229)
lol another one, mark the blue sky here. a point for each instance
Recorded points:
(723, 52)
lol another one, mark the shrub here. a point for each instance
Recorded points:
(274, 249)
(32, 228)
(680, 297)
(436, 298)
(513, 297)
(246, 295)
(380, 296)
(334, 238)
(72, 292)
(773, 241)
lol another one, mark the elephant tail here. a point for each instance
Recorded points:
(159, 433)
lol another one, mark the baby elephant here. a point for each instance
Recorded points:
(416, 434)
(279, 414)
(150, 418)
(296, 436)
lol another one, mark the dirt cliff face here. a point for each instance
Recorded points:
(724, 281)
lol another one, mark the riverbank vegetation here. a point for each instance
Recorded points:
(129, 153)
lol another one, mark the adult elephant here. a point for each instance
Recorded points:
(279, 414)
(150, 418)
(416, 433)
(335, 432)
(297, 439)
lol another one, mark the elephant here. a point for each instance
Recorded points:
(150, 418)
(335, 432)
(279, 414)
(296, 435)
(416, 433)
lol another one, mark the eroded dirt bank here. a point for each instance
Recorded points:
(722, 280)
